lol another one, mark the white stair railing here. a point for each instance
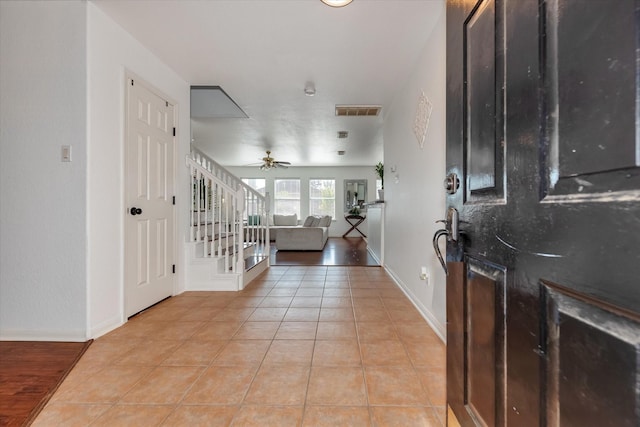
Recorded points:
(216, 218)
(220, 205)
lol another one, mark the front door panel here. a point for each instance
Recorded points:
(485, 343)
(589, 342)
(543, 299)
(483, 104)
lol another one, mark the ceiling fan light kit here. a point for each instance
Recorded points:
(270, 163)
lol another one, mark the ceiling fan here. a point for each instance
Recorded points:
(269, 162)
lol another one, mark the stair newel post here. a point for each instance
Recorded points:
(208, 243)
(198, 219)
(225, 213)
(227, 224)
(240, 206)
(263, 227)
(192, 230)
(267, 213)
(219, 217)
(255, 203)
(205, 223)
(250, 214)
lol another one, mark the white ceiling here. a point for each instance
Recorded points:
(264, 52)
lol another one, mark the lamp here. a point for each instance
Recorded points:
(336, 3)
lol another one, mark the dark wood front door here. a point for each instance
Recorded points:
(543, 289)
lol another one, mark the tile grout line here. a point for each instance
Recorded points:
(364, 375)
(313, 352)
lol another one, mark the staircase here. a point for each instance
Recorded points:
(228, 243)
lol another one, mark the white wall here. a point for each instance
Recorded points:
(339, 226)
(43, 240)
(417, 199)
(112, 53)
(62, 81)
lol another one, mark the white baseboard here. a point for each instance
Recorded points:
(215, 282)
(437, 327)
(254, 272)
(40, 335)
(374, 256)
(105, 327)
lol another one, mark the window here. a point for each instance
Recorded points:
(322, 197)
(287, 197)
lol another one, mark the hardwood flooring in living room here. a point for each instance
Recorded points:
(342, 251)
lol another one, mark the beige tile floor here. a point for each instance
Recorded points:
(309, 346)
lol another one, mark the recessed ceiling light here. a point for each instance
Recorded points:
(336, 3)
(309, 89)
(342, 134)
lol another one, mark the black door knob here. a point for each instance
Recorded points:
(135, 211)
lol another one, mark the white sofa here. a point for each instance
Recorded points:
(312, 235)
(276, 222)
(281, 222)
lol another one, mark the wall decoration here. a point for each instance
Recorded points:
(421, 122)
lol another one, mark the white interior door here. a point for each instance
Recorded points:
(149, 221)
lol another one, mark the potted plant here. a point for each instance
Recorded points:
(380, 172)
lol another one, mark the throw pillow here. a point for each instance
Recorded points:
(325, 221)
(316, 221)
(308, 222)
(285, 219)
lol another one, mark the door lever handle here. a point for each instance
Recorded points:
(450, 230)
(451, 224)
(436, 237)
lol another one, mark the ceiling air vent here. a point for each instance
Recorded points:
(342, 134)
(358, 110)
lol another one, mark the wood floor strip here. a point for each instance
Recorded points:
(30, 372)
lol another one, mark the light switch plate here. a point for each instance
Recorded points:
(66, 153)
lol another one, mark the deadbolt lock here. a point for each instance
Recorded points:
(451, 183)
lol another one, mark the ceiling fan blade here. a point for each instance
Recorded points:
(282, 163)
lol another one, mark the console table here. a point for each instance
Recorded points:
(354, 221)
